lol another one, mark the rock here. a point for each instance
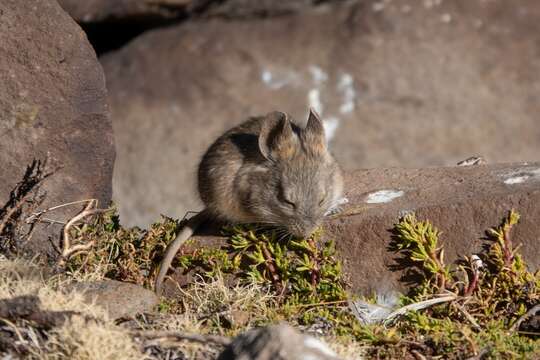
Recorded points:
(462, 201)
(417, 86)
(155, 11)
(53, 101)
(118, 298)
(245, 9)
(92, 11)
(277, 342)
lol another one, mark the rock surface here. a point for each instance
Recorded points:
(277, 342)
(118, 298)
(462, 202)
(398, 83)
(94, 11)
(53, 101)
(91, 11)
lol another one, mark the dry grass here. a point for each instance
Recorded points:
(213, 298)
(77, 338)
(208, 304)
(346, 348)
(80, 340)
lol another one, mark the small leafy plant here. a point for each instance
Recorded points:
(303, 274)
(493, 292)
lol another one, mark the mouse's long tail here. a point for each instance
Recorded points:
(171, 250)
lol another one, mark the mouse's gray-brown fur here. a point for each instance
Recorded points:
(266, 170)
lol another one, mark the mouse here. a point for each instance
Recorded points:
(268, 170)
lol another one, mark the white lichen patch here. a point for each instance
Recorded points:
(319, 85)
(314, 100)
(346, 87)
(330, 124)
(383, 196)
(318, 75)
(516, 179)
(521, 176)
(277, 79)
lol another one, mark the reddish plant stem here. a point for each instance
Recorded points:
(272, 268)
(473, 284)
(507, 247)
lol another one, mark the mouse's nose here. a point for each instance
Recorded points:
(303, 231)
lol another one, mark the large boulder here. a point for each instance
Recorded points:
(53, 104)
(398, 84)
(462, 202)
(93, 11)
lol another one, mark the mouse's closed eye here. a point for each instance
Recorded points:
(285, 197)
(323, 199)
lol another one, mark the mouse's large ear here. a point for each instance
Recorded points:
(313, 135)
(277, 139)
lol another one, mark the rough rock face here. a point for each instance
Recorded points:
(120, 299)
(277, 342)
(122, 10)
(398, 83)
(462, 202)
(93, 11)
(53, 101)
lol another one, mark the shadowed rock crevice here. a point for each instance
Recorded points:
(109, 26)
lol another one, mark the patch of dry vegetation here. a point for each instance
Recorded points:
(88, 334)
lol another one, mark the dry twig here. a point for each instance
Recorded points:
(69, 250)
(419, 305)
(468, 316)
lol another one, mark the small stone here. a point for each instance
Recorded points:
(120, 299)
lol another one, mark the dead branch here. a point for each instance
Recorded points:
(36, 215)
(13, 210)
(69, 250)
(419, 305)
(23, 197)
(467, 315)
